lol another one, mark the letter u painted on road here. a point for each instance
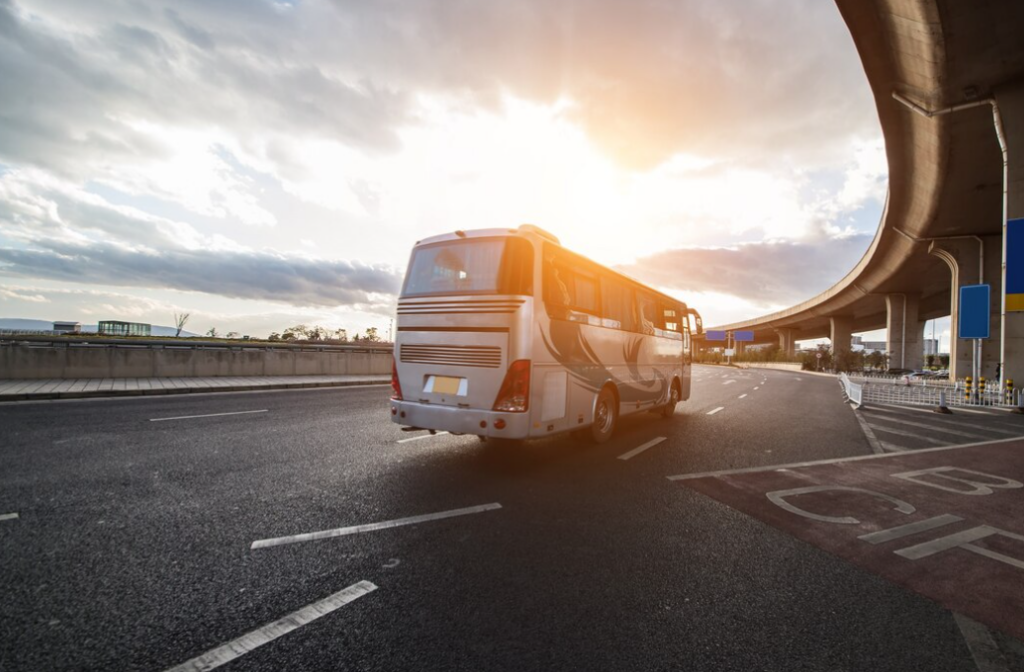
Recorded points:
(778, 498)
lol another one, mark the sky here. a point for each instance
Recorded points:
(265, 163)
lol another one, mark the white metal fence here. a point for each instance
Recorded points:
(928, 392)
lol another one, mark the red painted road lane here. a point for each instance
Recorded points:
(946, 523)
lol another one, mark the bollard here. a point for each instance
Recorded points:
(1009, 391)
(981, 389)
(967, 389)
(942, 408)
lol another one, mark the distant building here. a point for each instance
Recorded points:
(67, 327)
(115, 328)
(931, 346)
(874, 346)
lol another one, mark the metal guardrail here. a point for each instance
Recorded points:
(853, 391)
(934, 393)
(186, 344)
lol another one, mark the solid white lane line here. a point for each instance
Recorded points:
(982, 645)
(743, 395)
(720, 408)
(208, 415)
(268, 633)
(637, 451)
(423, 436)
(728, 382)
(8, 516)
(812, 463)
(370, 527)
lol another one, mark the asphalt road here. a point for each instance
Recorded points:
(132, 545)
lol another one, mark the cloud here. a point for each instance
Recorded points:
(648, 79)
(776, 273)
(249, 275)
(8, 294)
(64, 233)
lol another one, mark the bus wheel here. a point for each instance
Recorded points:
(606, 413)
(669, 409)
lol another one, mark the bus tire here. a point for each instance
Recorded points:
(669, 409)
(606, 416)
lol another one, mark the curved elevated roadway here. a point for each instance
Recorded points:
(945, 209)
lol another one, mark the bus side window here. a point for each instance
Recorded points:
(585, 293)
(557, 283)
(648, 313)
(672, 317)
(618, 304)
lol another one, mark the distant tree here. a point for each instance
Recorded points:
(212, 333)
(371, 335)
(232, 334)
(288, 335)
(930, 361)
(876, 360)
(316, 333)
(357, 337)
(274, 336)
(299, 330)
(341, 335)
(180, 320)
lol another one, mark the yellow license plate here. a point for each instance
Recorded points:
(446, 385)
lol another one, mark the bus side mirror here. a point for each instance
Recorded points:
(697, 320)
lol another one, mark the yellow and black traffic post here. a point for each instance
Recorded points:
(981, 389)
(1009, 390)
(967, 389)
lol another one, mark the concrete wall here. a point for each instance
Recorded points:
(22, 361)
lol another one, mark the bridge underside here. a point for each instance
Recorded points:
(944, 218)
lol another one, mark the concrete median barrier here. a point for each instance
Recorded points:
(84, 360)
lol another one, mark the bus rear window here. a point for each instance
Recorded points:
(471, 266)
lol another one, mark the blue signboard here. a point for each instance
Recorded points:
(714, 335)
(1015, 264)
(974, 311)
(740, 336)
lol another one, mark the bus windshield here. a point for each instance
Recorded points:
(501, 265)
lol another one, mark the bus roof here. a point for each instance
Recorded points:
(529, 230)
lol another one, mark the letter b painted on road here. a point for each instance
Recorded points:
(953, 479)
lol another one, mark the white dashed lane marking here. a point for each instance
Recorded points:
(640, 449)
(8, 516)
(370, 527)
(720, 408)
(208, 415)
(424, 436)
(237, 648)
(743, 395)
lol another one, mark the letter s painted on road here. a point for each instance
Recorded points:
(778, 498)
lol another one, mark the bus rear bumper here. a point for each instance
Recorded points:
(460, 420)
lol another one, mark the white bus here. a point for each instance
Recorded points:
(504, 333)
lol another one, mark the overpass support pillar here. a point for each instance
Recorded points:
(841, 334)
(973, 260)
(1011, 108)
(904, 331)
(787, 341)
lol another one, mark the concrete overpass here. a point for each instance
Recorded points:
(945, 75)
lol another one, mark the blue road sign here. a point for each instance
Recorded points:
(1015, 264)
(740, 336)
(714, 335)
(974, 311)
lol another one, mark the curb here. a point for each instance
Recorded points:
(99, 394)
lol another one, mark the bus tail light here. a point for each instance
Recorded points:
(396, 387)
(514, 395)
